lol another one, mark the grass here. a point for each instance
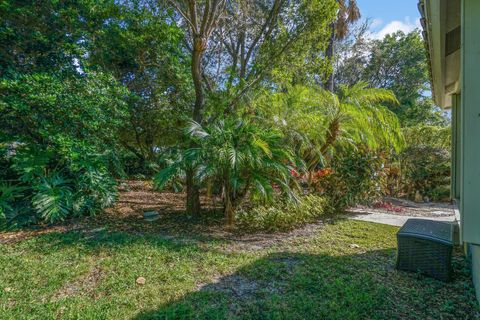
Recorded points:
(344, 270)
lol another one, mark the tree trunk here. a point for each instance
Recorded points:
(329, 85)
(193, 192)
(332, 134)
(229, 210)
(199, 46)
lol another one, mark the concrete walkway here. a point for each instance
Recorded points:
(393, 219)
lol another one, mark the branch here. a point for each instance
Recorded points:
(192, 7)
(259, 74)
(182, 13)
(205, 18)
(214, 17)
(267, 28)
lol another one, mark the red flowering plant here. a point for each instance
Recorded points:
(387, 206)
(294, 173)
(316, 178)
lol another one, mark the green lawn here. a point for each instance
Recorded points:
(344, 270)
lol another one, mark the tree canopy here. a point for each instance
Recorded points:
(224, 98)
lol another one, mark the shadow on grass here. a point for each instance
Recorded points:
(304, 286)
(307, 282)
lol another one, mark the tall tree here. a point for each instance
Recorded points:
(348, 13)
(236, 44)
(398, 62)
(145, 51)
(201, 18)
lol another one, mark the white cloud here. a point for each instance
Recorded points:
(407, 25)
(376, 23)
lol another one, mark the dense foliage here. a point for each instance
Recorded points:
(355, 177)
(58, 145)
(398, 63)
(232, 99)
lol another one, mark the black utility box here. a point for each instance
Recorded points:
(425, 246)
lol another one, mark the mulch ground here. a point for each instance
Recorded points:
(136, 196)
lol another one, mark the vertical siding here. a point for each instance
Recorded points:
(470, 123)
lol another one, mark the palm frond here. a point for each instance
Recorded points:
(263, 145)
(194, 129)
(165, 175)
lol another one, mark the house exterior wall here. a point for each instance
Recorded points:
(465, 109)
(456, 147)
(475, 258)
(470, 123)
(470, 135)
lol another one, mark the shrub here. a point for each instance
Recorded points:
(426, 169)
(45, 185)
(283, 216)
(58, 145)
(356, 178)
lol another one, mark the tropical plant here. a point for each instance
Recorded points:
(318, 122)
(244, 157)
(53, 198)
(48, 185)
(9, 194)
(284, 215)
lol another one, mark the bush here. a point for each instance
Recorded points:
(426, 169)
(45, 185)
(58, 145)
(356, 178)
(283, 216)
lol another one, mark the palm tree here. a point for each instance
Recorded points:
(348, 13)
(357, 117)
(243, 156)
(317, 122)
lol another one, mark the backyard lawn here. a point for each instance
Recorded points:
(198, 159)
(339, 269)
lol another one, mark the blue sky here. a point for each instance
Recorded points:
(388, 16)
